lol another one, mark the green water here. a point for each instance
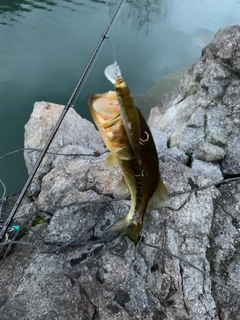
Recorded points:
(45, 45)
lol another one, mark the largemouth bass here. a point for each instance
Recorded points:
(130, 142)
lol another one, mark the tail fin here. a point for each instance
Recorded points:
(123, 227)
(133, 232)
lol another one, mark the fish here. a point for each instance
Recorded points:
(127, 136)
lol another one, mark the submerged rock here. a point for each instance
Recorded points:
(62, 268)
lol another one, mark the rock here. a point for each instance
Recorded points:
(160, 140)
(174, 154)
(37, 286)
(230, 163)
(164, 153)
(209, 172)
(223, 253)
(116, 281)
(65, 184)
(25, 215)
(74, 131)
(209, 152)
(201, 117)
(204, 108)
(63, 267)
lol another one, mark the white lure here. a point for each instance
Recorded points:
(112, 72)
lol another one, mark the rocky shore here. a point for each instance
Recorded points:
(60, 269)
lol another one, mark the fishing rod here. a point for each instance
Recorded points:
(55, 129)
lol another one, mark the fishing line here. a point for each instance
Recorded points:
(114, 52)
(55, 129)
(85, 79)
(168, 253)
(4, 190)
(94, 154)
(95, 58)
(7, 243)
(87, 75)
(106, 243)
(224, 181)
(11, 152)
(98, 154)
(18, 233)
(83, 234)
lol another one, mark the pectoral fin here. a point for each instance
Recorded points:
(110, 161)
(159, 197)
(121, 190)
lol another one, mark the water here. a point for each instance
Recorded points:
(45, 45)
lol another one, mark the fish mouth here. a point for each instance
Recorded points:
(104, 108)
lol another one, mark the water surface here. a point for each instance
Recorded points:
(45, 45)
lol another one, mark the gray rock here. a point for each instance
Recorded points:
(174, 154)
(231, 162)
(160, 140)
(223, 253)
(116, 280)
(206, 171)
(74, 131)
(205, 105)
(45, 291)
(67, 184)
(190, 139)
(218, 125)
(209, 152)
(197, 119)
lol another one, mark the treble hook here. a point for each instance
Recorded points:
(142, 141)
